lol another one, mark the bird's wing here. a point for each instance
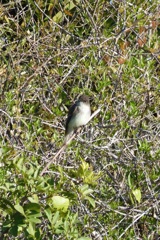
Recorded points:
(72, 112)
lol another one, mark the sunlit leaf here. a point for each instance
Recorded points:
(60, 203)
(31, 229)
(20, 209)
(137, 194)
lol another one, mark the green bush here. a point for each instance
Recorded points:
(105, 184)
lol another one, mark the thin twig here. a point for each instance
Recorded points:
(56, 24)
(34, 74)
(1, 110)
(134, 221)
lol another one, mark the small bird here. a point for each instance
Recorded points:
(79, 114)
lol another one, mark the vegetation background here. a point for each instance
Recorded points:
(106, 184)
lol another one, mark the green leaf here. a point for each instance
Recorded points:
(85, 190)
(33, 199)
(84, 238)
(34, 215)
(91, 200)
(60, 203)
(57, 222)
(58, 17)
(129, 181)
(33, 220)
(137, 194)
(19, 208)
(31, 229)
(32, 206)
(48, 213)
(55, 218)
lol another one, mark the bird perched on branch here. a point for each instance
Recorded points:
(79, 114)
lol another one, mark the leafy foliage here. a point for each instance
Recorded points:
(106, 183)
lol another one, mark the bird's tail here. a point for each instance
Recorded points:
(68, 137)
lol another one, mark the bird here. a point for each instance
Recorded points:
(78, 115)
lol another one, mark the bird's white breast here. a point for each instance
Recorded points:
(82, 116)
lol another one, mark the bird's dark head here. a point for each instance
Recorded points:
(84, 98)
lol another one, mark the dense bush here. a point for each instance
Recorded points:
(106, 184)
